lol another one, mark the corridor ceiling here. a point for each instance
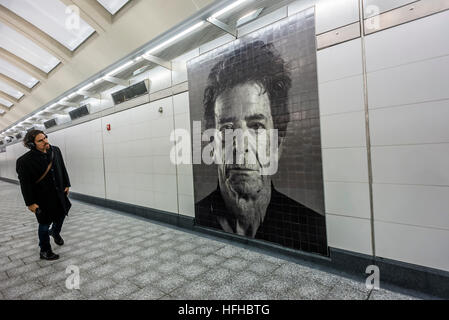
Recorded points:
(49, 46)
(54, 53)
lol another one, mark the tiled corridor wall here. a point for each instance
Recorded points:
(343, 136)
(408, 92)
(84, 155)
(408, 109)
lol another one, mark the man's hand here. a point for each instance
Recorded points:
(33, 208)
(66, 191)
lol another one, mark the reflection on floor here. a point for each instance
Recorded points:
(123, 257)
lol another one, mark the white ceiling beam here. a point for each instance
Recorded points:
(22, 64)
(2, 106)
(15, 84)
(223, 26)
(95, 11)
(90, 94)
(161, 62)
(8, 97)
(35, 34)
(97, 25)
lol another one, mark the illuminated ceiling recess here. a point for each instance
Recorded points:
(24, 48)
(38, 36)
(50, 16)
(113, 6)
(210, 14)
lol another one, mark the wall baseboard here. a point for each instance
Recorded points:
(394, 275)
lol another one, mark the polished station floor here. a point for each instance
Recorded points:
(123, 257)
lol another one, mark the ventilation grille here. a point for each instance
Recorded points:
(129, 93)
(80, 112)
(50, 123)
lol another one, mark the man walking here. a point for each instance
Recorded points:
(45, 186)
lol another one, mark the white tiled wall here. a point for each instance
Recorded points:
(348, 233)
(412, 244)
(340, 62)
(3, 164)
(57, 138)
(332, 14)
(13, 152)
(417, 82)
(136, 151)
(383, 49)
(185, 171)
(84, 158)
(340, 96)
(374, 7)
(409, 110)
(179, 72)
(343, 140)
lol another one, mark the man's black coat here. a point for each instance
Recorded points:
(48, 193)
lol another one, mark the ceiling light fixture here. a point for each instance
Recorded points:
(176, 37)
(228, 8)
(249, 17)
(117, 70)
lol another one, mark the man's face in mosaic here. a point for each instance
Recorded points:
(244, 109)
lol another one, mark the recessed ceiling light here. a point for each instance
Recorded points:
(228, 8)
(249, 17)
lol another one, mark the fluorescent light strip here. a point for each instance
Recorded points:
(129, 63)
(126, 65)
(248, 14)
(228, 8)
(173, 39)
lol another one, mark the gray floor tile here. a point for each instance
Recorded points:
(122, 257)
(93, 287)
(147, 293)
(222, 275)
(15, 291)
(193, 290)
(346, 292)
(236, 264)
(382, 294)
(120, 291)
(308, 289)
(170, 282)
(212, 260)
(146, 278)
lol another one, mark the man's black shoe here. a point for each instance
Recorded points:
(58, 239)
(49, 255)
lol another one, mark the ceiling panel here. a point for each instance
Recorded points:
(5, 102)
(10, 90)
(17, 74)
(113, 5)
(24, 48)
(50, 16)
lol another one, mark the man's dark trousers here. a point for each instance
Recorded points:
(44, 232)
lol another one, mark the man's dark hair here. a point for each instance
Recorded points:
(252, 62)
(30, 137)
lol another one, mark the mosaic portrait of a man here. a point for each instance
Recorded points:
(259, 96)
